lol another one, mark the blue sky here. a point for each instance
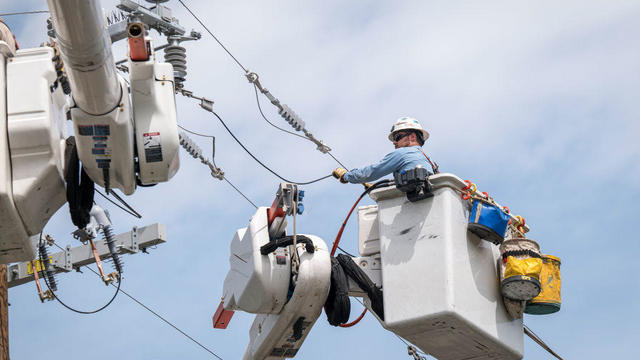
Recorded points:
(535, 101)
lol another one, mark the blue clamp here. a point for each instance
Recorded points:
(300, 208)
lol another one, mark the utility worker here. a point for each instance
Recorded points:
(407, 136)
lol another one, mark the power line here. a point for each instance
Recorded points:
(269, 122)
(399, 338)
(214, 164)
(69, 307)
(26, 13)
(239, 192)
(255, 88)
(162, 318)
(214, 37)
(260, 162)
(247, 71)
(118, 205)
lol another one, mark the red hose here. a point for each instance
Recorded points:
(337, 241)
(344, 224)
(354, 321)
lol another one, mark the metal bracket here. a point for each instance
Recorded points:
(160, 19)
(133, 248)
(66, 264)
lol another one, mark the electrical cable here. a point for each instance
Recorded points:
(240, 192)
(214, 37)
(151, 311)
(26, 13)
(162, 318)
(116, 204)
(538, 340)
(260, 162)
(121, 200)
(213, 160)
(401, 339)
(255, 88)
(246, 71)
(76, 310)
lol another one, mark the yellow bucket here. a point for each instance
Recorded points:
(549, 299)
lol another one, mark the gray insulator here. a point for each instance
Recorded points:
(192, 148)
(44, 256)
(292, 118)
(176, 55)
(110, 239)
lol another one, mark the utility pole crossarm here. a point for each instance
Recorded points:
(64, 261)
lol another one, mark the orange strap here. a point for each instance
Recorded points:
(434, 166)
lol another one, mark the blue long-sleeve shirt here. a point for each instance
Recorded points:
(404, 158)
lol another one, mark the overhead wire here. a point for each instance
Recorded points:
(116, 204)
(26, 13)
(260, 162)
(124, 203)
(163, 319)
(540, 342)
(255, 88)
(247, 71)
(151, 311)
(214, 37)
(399, 338)
(214, 164)
(71, 308)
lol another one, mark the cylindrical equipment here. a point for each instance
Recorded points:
(138, 50)
(549, 299)
(86, 52)
(520, 269)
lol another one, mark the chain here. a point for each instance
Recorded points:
(295, 257)
(414, 352)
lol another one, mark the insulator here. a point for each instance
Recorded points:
(191, 147)
(44, 256)
(292, 118)
(176, 55)
(110, 239)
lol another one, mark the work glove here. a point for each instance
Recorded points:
(338, 173)
(367, 185)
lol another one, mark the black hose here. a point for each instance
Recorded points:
(338, 306)
(360, 277)
(80, 187)
(286, 241)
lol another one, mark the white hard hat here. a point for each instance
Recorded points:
(408, 123)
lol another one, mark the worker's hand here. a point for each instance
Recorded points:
(367, 185)
(338, 173)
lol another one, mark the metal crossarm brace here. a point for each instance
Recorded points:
(65, 261)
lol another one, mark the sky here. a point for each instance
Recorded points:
(535, 101)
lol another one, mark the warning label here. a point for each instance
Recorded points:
(152, 146)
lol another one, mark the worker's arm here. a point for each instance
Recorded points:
(387, 165)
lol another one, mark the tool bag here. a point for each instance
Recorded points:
(487, 221)
(520, 269)
(414, 183)
(549, 299)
